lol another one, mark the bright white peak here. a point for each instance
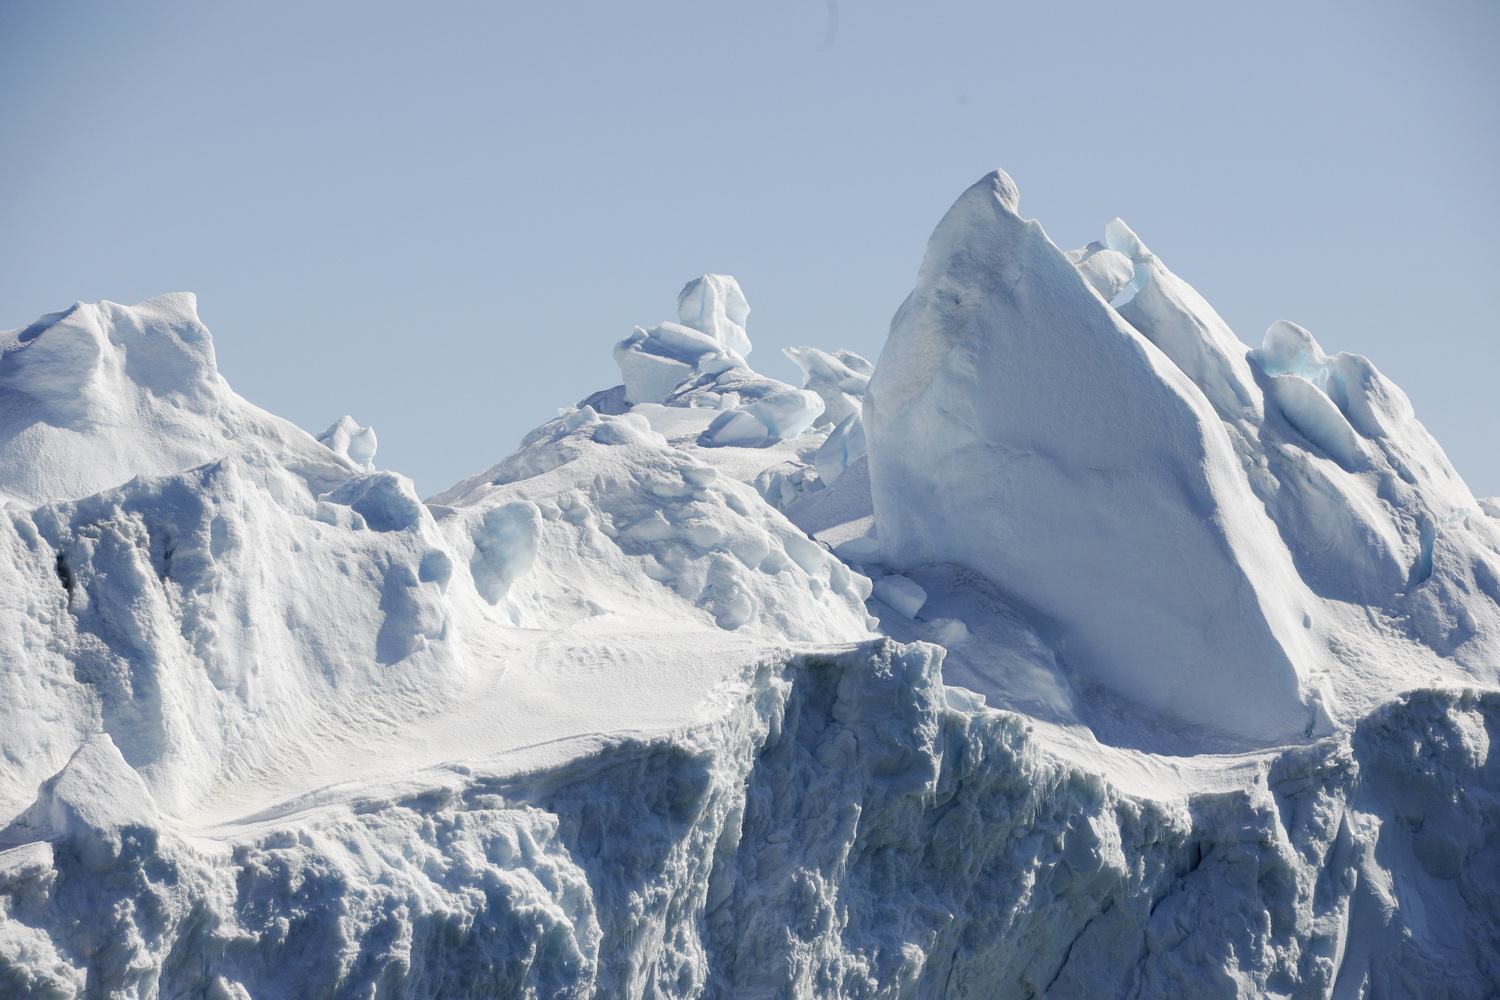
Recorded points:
(100, 393)
(1187, 522)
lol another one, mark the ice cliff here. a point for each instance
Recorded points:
(1075, 648)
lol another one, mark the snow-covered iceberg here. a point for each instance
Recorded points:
(1074, 648)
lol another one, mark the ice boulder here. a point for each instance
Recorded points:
(1108, 272)
(840, 380)
(776, 416)
(844, 444)
(347, 438)
(1021, 429)
(90, 801)
(840, 385)
(713, 304)
(709, 340)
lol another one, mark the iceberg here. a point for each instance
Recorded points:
(1073, 648)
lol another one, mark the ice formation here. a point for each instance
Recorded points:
(1073, 649)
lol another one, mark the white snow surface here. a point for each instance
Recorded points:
(1073, 649)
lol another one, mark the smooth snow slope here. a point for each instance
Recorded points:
(667, 703)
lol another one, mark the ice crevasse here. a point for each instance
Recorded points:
(1073, 648)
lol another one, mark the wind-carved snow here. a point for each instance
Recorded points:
(1073, 649)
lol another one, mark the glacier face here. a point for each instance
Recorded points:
(1074, 648)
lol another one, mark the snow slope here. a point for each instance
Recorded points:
(1073, 649)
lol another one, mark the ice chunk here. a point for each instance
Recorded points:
(1311, 412)
(861, 550)
(1291, 350)
(735, 427)
(901, 595)
(709, 340)
(787, 414)
(854, 362)
(649, 371)
(610, 401)
(844, 444)
(1107, 271)
(505, 547)
(386, 500)
(841, 387)
(1490, 505)
(349, 439)
(713, 304)
(90, 801)
(776, 416)
(1364, 401)
(949, 632)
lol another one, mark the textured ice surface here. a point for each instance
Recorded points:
(1127, 662)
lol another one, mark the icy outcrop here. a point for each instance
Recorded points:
(1108, 272)
(839, 381)
(845, 444)
(348, 439)
(701, 363)
(90, 801)
(713, 304)
(709, 340)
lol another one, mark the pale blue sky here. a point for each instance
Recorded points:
(440, 217)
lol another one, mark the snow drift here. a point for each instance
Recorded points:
(1073, 649)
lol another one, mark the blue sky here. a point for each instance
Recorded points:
(440, 217)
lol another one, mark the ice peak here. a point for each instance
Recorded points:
(101, 392)
(1122, 239)
(1020, 428)
(70, 365)
(713, 304)
(95, 795)
(999, 183)
(347, 438)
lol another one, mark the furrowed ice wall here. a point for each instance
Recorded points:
(850, 829)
